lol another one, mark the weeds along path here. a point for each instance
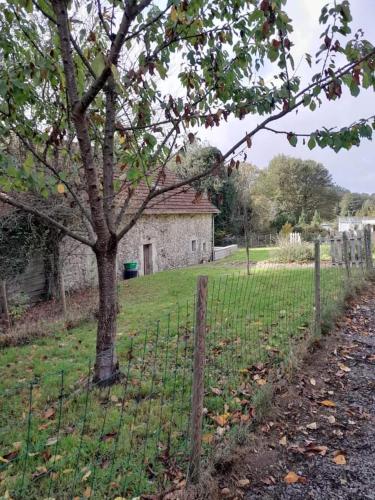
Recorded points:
(318, 443)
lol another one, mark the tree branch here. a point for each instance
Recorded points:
(29, 209)
(131, 11)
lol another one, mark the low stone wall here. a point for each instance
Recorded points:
(221, 252)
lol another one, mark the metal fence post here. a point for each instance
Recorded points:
(198, 380)
(317, 318)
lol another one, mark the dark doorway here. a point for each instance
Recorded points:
(147, 259)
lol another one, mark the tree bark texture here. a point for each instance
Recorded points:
(106, 369)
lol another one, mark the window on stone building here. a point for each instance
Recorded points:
(193, 245)
(204, 246)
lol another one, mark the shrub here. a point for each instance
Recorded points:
(293, 252)
(311, 233)
(18, 305)
(286, 230)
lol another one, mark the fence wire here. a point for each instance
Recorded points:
(61, 435)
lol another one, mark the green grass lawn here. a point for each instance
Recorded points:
(62, 437)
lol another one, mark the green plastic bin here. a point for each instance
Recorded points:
(130, 266)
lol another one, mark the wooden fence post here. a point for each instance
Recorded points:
(62, 294)
(345, 251)
(368, 248)
(198, 380)
(5, 302)
(317, 318)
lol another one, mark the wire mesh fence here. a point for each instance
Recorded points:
(63, 436)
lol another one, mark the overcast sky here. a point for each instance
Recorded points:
(354, 169)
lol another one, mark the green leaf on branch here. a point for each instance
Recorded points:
(312, 142)
(292, 138)
(354, 88)
(28, 163)
(98, 64)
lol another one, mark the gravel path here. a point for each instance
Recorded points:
(328, 450)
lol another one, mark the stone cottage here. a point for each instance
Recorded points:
(176, 230)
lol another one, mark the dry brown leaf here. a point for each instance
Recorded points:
(316, 448)
(86, 475)
(48, 414)
(261, 381)
(344, 368)
(283, 441)
(108, 436)
(221, 419)
(207, 438)
(44, 426)
(328, 403)
(87, 492)
(339, 459)
(242, 483)
(292, 478)
(216, 391)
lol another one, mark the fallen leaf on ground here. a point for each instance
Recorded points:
(328, 403)
(313, 426)
(312, 381)
(242, 483)
(283, 441)
(51, 441)
(316, 448)
(221, 419)
(268, 480)
(292, 478)
(86, 475)
(87, 492)
(339, 458)
(261, 381)
(207, 438)
(49, 413)
(108, 436)
(216, 391)
(8, 457)
(344, 368)
(40, 472)
(55, 458)
(331, 419)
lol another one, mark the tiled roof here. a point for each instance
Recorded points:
(183, 200)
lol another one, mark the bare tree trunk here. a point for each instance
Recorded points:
(106, 369)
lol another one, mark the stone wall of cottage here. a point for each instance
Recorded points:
(78, 265)
(176, 240)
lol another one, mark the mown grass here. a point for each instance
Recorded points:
(69, 438)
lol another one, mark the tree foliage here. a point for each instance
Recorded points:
(298, 188)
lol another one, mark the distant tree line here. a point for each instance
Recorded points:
(290, 192)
